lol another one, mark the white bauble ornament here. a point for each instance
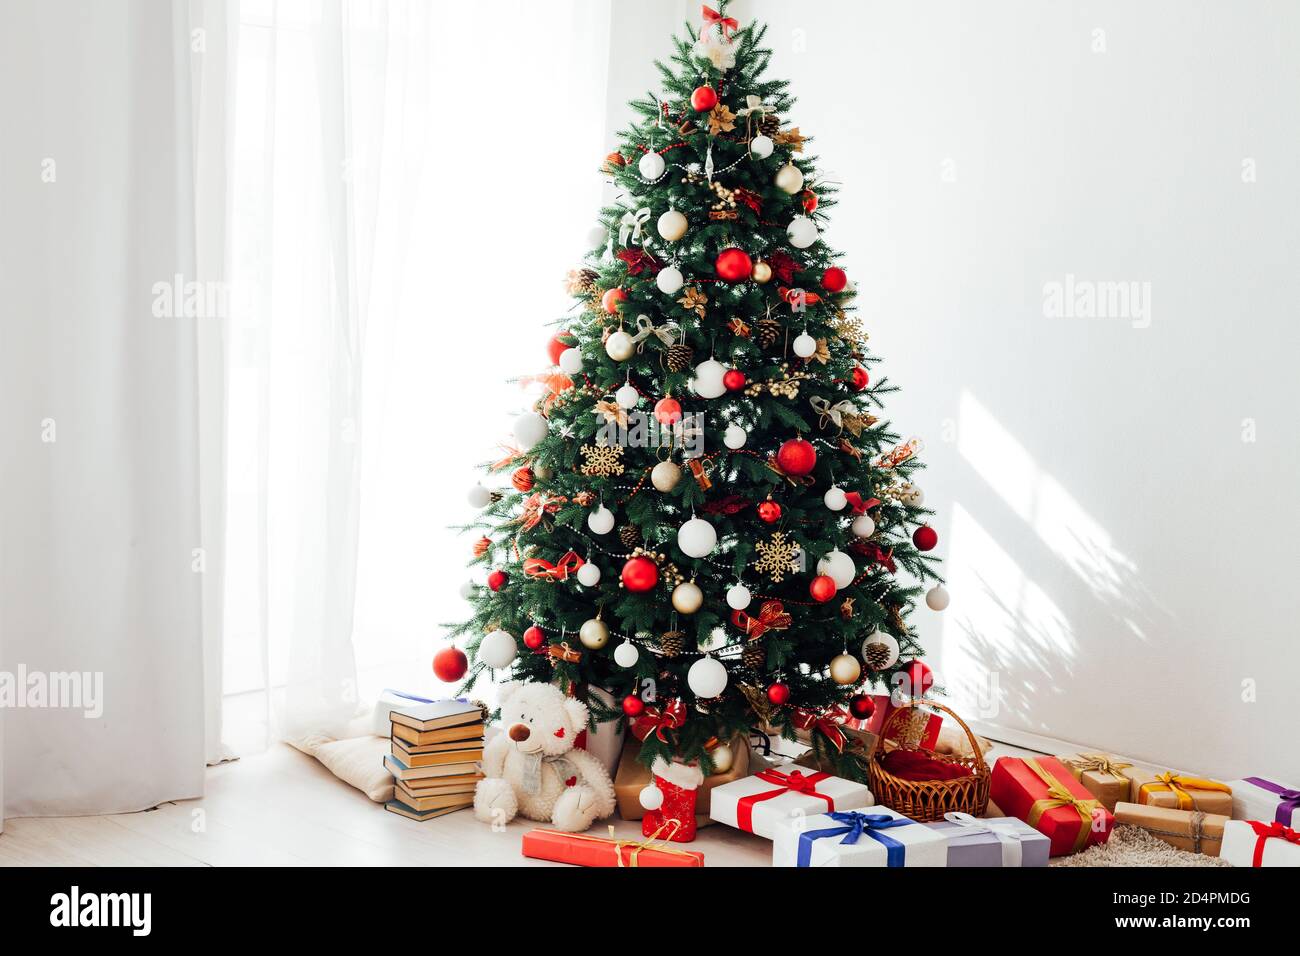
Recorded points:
(597, 237)
(619, 346)
(937, 598)
(671, 225)
(723, 758)
(626, 654)
(880, 650)
(708, 379)
(735, 437)
(805, 346)
(687, 597)
(571, 361)
(530, 428)
(802, 232)
(864, 526)
(665, 475)
(589, 574)
(912, 496)
(845, 669)
(467, 590)
(738, 597)
(601, 521)
(479, 497)
(707, 678)
(670, 280)
(762, 146)
(697, 538)
(651, 165)
(594, 634)
(651, 797)
(835, 499)
(498, 650)
(627, 396)
(789, 179)
(839, 567)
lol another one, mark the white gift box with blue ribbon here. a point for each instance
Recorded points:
(875, 837)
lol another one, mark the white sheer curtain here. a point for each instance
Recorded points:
(411, 181)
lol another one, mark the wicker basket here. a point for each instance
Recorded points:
(928, 800)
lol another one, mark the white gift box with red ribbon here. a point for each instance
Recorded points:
(758, 803)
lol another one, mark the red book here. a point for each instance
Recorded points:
(1040, 791)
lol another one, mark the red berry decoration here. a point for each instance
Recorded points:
(860, 378)
(450, 665)
(668, 411)
(633, 706)
(919, 679)
(534, 638)
(834, 279)
(809, 200)
(769, 511)
(925, 538)
(704, 98)
(862, 706)
(734, 380)
(822, 588)
(556, 346)
(640, 575)
(610, 300)
(497, 580)
(778, 693)
(733, 265)
(796, 457)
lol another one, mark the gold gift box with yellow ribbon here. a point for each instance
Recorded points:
(1178, 791)
(1101, 774)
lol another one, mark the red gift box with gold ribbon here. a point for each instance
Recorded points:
(583, 849)
(1043, 793)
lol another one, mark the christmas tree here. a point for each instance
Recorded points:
(709, 518)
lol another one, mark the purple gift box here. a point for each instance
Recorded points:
(997, 842)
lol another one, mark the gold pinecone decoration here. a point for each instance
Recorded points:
(875, 656)
(672, 643)
(754, 655)
(766, 332)
(630, 535)
(680, 357)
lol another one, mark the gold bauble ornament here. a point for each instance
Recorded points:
(665, 475)
(672, 225)
(845, 668)
(761, 273)
(723, 758)
(789, 179)
(594, 634)
(620, 346)
(687, 598)
(543, 472)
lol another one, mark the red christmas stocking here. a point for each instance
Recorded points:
(675, 818)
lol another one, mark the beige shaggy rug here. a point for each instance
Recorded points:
(1133, 846)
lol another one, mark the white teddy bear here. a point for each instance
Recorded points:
(532, 768)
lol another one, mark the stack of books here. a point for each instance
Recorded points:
(435, 759)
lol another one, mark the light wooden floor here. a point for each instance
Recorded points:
(282, 808)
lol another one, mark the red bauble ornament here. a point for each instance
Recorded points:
(534, 638)
(734, 380)
(633, 706)
(862, 706)
(668, 411)
(733, 265)
(522, 479)
(919, 679)
(834, 279)
(610, 300)
(640, 575)
(796, 457)
(555, 347)
(769, 511)
(809, 200)
(450, 665)
(497, 580)
(822, 588)
(704, 98)
(860, 378)
(778, 693)
(925, 538)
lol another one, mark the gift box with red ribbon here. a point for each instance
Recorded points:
(756, 804)
(1258, 843)
(1040, 791)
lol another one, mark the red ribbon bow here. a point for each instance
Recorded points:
(772, 616)
(875, 554)
(725, 24)
(638, 261)
(794, 782)
(541, 568)
(860, 505)
(796, 297)
(828, 722)
(1271, 831)
(657, 720)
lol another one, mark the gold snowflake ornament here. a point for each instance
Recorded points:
(602, 461)
(779, 557)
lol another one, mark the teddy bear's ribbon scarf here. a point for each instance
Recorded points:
(532, 777)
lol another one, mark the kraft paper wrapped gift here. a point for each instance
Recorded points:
(1257, 843)
(991, 842)
(1040, 791)
(1101, 775)
(1178, 791)
(756, 804)
(583, 849)
(1190, 830)
(1257, 798)
(875, 837)
(633, 776)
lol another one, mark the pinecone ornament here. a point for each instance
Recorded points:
(766, 332)
(770, 124)
(754, 655)
(875, 656)
(680, 357)
(672, 643)
(630, 535)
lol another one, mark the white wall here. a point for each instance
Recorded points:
(1120, 558)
